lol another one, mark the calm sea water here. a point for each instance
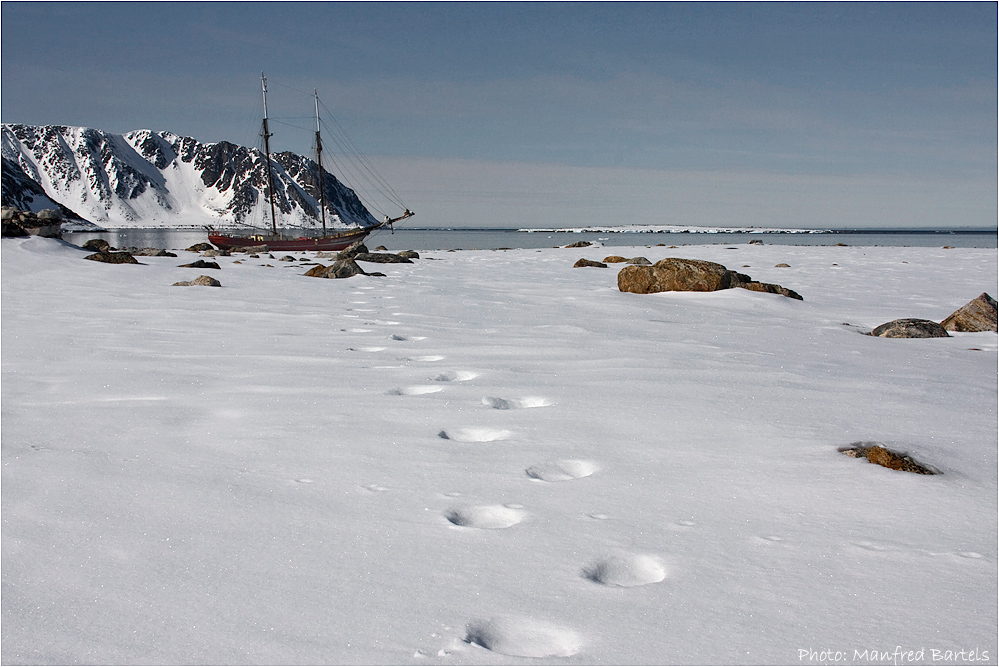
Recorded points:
(488, 239)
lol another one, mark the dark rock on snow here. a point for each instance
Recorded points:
(771, 289)
(352, 250)
(205, 281)
(201, 247)
(200, 264)
(342, 268)
(96, 245)
(874, 452)
(910, 328)
(579, 244)
(112, 258)
(381, 258)
(674, 274)
(588, 262)
(979, 314)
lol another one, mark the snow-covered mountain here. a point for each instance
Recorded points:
(146, 179)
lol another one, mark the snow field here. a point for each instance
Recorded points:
(260, 474)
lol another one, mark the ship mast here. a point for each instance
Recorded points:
(267, 151)
(319, 162)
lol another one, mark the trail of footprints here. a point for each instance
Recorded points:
(517, 635)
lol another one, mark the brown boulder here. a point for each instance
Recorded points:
(615, 259)
(579, 244)
(112, 258)
(979, 314)
(317, 271)
(910, 328)
(342, 268)
(588, 262)
(203, 281)
(875, 453)
(675, 274)
(200, 247)
(352, 249)
(96, 245)
(771, 289)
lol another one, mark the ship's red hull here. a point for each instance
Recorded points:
(338, 242)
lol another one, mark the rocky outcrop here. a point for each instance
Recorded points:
(876, 453)
(352, 250)
(205, 281)
(96, 245)
(979, 314)
(381, 258)
(582, 262)
(674, 274)
(150, 252)
(112, 258)
(579, 244)
(770, 288)
(615, 259)
(910, 328)
(342, 268)
(201, 247)
(200, 264)
(47, 222)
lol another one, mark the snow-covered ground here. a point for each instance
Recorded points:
(679, 229)
(490, 455)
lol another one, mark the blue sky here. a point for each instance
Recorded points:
(565, 114)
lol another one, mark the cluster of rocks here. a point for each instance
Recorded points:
(103, 252)
(610, 259)
(346, 262)
(979, 314)
(47, 222)
(674, 274)
(875, 452)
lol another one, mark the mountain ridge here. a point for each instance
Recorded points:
(147, 179)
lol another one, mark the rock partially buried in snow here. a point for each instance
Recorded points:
(676, 274)
(524, 637)
(875, 452)
(583, 262)
(382, 258)
(474, 434)
(561, 471)
(200, 264)
(203, 281)
(487, 517)
(626, 570)
(112, 258)
(341, 268)
(979, 314)
(97, 245)
(771, 289)
(910, 328)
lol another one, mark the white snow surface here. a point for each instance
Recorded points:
(491, 457)
(677, 229)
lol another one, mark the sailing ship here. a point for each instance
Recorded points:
(284, 242)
